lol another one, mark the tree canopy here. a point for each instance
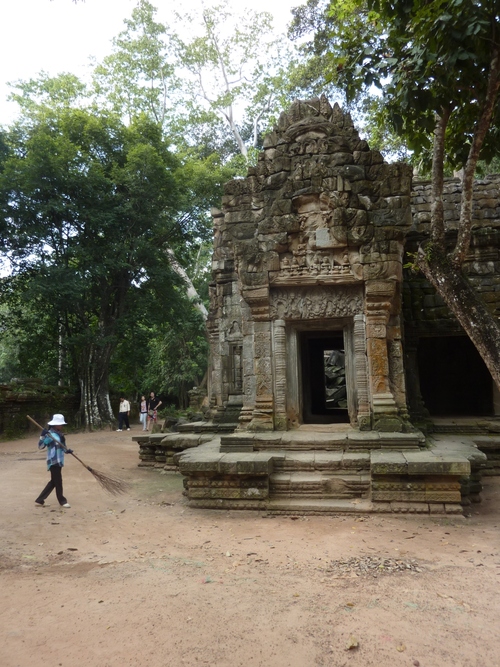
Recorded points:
(89, 206)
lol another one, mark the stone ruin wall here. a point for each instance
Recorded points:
(32, 397)
(422, 307)
(424, 312)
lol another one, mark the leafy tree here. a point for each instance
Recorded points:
(437, 65)
(214, 91)
(139, 76)
(234, 60)
(178, 357)
(89, 206)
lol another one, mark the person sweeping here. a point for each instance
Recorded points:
(54, 441)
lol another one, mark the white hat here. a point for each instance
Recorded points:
(57, 420)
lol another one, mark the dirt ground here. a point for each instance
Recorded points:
(143, 580)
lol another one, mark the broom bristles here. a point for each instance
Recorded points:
(112, 485)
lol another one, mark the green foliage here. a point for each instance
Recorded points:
(89, 206)
(139, 76)
(178, 356)
(423, 56)
(212, 79)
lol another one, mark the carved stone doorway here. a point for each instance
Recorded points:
(324, 386)
(454, 380)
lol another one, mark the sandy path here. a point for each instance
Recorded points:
(143, 580)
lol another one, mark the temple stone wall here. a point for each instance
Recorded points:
(425, 314)
(421, 305)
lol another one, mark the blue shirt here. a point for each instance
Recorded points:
(55, 450)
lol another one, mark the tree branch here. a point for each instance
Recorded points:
(482, 127)
(437, 208)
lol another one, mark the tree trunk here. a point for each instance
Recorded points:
(465, 304)
(93, 371)
(190, 288)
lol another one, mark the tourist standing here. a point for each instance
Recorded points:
(123, 414)
(153, 405)
(144, 413)
(54, 441)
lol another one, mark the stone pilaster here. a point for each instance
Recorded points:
(262, 417)
(279, 375)
(249, 390)
(396, 366)
(361, 372)
(379, 296)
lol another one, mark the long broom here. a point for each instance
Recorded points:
(112, 485)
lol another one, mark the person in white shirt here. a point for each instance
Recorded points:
(123, 414)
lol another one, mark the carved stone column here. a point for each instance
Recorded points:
(279, 375)
(215, 380)
(262, 416)
(379, 296)
(248, 373)
(361, 373)
(396, 366)
(257, 299)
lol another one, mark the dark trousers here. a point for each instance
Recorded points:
(123, 417)
(55, 483)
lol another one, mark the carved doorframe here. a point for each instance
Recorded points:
(293, 365)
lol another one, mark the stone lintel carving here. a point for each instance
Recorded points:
(307, 267)
(306, 303)
(301, 281)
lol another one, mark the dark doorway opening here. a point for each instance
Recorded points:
(324, 389)
(454, 379)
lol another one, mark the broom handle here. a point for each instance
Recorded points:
(54, 440)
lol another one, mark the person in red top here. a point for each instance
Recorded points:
(153, 405)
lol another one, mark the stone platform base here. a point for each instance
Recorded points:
(490, 446)
(324, 469)
(321, 473)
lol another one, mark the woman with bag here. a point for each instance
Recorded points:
(153, 405)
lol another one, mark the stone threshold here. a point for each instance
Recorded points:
(304, 439)
(465, 425)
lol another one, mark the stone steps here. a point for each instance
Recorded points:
(302, 506)
(457, 428)
(323, 461)
(318, 473)
(332, 506)
(301, 440)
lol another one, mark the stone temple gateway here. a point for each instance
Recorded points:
(307, 397)
(308, 260)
